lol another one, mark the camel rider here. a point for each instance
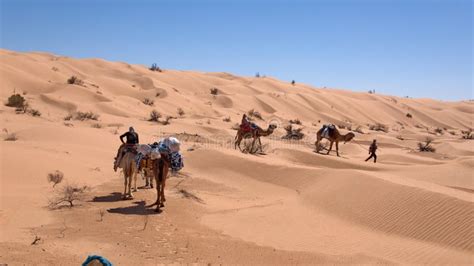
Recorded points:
(327, 130)
(246, 125)
(132, 140)
(169, 148)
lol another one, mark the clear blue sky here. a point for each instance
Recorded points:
(419, 48)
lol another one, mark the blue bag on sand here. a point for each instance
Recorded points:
(101, 259)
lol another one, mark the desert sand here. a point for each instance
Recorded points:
(289, 205)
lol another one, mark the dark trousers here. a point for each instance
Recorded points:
(372, 155)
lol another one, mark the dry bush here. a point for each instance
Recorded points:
(9, 136)
(426, 146)
(293, 133)
(254, 114)
(155, 67)
(96, 125)
(409, 115)
(68, 194)
(34, 112)
(55, 177)
(68, 117)
(180, 111)
(400, 137)
(452, 133)
(467, 134)
(226, 119)
(438, 130)
(75, 80)
(158, 94)
(295, 121)
(379, 127)
(82, 116)
(214, 91)
(154, 116)
(167, 120)
(16, 100)
(148, 101)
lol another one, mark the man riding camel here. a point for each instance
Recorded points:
(132, 140)
(246, 125)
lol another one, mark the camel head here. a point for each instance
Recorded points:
(348, 137)
(271, 127)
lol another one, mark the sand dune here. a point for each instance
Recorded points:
(289, 205)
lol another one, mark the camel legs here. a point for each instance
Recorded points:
(337, 148)
(124, 196)
(330, 147)
(238, 139)
(135, 189)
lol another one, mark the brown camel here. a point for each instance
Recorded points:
(128, 165)
(255, 134)
(335, 136)
(160, 169)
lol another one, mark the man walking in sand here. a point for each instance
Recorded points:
(372, 149)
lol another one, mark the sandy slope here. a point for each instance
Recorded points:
(288, 206)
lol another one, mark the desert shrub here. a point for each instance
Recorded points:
(68, 194)
(226, 119)
(55, 177)
(82, 116)
(254, 114)
(167, 120)
(96, 125)
(400, 137)
(155, 67)
(16, 100)
(154, 116)
(467, 134)
(426, 146)
(452, 133)
(379, 127)
(158, 94)
(9, 136)
(34, 112)
(409, 115)
(180, 111)
(438, 130)
(295, 121)
(293, 133)
(214, 91)
(68, 117)
(148, 101)
(75, 80)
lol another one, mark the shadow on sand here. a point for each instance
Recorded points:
(139, 208)
(112, 197)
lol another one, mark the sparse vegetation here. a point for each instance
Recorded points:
(75, 81)
(55, 177)
(68, 117)
(167, 120)
(82, 116)
(34, 112)
(426, 146)
(409, 115)
(96, 125)
(148, 101)
(438, 130)
(379, 127)
(154, 116)
(180, 111)
(9, 136)
(467, 134)
(68, 194)
(214, 91)
(157, 94)
(16, 100)
(254, 114)
(293, 133)
(155, 67)
(400, 137)
(226, 119)
(295, 121)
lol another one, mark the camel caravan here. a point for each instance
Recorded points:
(154, 161)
